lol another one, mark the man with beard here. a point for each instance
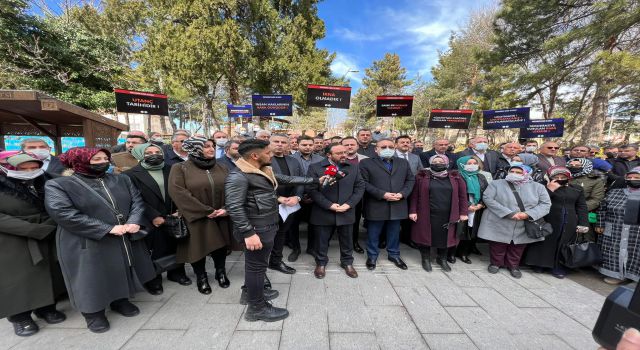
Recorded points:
(365, 146)
(353, 157)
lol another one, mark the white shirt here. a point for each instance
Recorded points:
(403, 155)
(45, 163)
(551, 160)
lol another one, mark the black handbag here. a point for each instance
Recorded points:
(583, 254)
(534, 229)
(165, 263)
(176, 227)
(462, 230)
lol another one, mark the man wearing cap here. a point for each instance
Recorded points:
(124, 161)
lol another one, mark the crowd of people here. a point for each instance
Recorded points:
(101, 225)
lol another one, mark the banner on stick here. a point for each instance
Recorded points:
(272, 105)
(450, 118)
(128, 101)
(239, 111)
(328, 96)
(543, 128)
(394, 106)
(505, 118)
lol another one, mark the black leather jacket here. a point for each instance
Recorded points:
(251, 200)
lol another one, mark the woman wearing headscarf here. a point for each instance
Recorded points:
(99, 217)
(568, 216)
(197, 188)
(582, 175)
(503, 222)
(4, 155)
(30, 277)
(438, 201)
(531, 160)
(151, 178)
(469, 168)
(619, 243)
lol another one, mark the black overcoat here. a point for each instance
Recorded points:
(378, 181)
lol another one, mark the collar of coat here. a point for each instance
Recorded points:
(265, 171)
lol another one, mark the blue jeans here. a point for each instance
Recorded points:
(374, 229)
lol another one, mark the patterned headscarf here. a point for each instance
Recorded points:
(79, 158)
(526, 173)
(558, 170)
(194, 146)
(443, 173)
(587, 166)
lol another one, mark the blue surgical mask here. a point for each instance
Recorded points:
(482, 146)
(387, 153)
(516, 163)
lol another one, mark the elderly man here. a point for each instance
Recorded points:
(174, 154)
(549, 156)
(124, 161)
(39, 147)
(220, 138)
(263, 135)
(440, 146)
(479, 147)
(509, 151)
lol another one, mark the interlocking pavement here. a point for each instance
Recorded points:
(467, 308)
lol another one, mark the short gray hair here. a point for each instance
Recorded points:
(260, 132)
(24, 142)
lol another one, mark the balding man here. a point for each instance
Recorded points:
(549, 156)
(263, 135)
(479, 147)
(440, 147)
(509, 150)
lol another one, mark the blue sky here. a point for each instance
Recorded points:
(361, 31)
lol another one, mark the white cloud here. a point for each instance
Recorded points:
(344, 63)
(351, 35)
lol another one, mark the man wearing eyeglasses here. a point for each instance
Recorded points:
(548, 156)
(579, 151)
(175, 154)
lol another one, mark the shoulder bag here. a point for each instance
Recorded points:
(534, 229)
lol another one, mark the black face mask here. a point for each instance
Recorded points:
(562, 182)
(99, 169)
(418, 149)
(632, 183)
(438, 167)
(611, 155)
(154, 159)
(574, 170)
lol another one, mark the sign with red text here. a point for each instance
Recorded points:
(541, 128)
(394, 106)
(505, 118)
(328, 96)
(450, 118)
(128, 101)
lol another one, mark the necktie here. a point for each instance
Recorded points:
(406, 157)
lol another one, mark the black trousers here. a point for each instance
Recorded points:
(465, 247)
(355, 232)
(294, 233)
(219, 257)
(278, 243)
(256, 262)
(27, 314)
(405, 231)
(323, 233)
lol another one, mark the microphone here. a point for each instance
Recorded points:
(331, 171)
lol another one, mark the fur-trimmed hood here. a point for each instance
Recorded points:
(265, 171)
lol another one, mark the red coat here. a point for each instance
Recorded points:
(419, 204)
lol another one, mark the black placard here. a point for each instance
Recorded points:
(540, 128)
(272, 105)
(394, 106)
(328, 96)
(505, 118)
(450, 118)
(128, 101)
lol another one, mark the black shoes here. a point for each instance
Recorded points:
(153, 288)
(371, 264)
(465, 259)
(181, 280)
(451, 259)
(443, 264)
(203, 284)
(357, 248)
(221, 277)
(97, 322)
(294, 255)
(282, 267)
(269, 294)
(26, 327)
(51, 316)
(399, 263)
(265, 312)
(125, 308)
(425, 256)
(515, 272)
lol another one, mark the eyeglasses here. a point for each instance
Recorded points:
(385, 147)
(552, 147)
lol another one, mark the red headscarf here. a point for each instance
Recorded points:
(78, 159)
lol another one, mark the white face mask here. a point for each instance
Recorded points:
(531, 149)
(387, 153)
(511, 177)
(471, 167)
(481, 146)
(40, 153)
(221, 142)
(21, 174)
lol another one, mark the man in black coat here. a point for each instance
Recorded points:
(366, 146)
(479, 147)
(627, 160)
(287, 195)
(230, 155)
(40, 148)
(388, 184)
(334, 208)
(440, 146)
(174, 154)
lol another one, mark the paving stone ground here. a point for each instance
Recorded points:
(467, 308)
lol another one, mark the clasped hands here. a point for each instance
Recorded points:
(120, 230)
(392, 197)
(216, 213)
(339, 208)
(520, 216)
(289, 201)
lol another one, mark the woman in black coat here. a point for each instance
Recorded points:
(568, 216)
(151, 178)
(99, 216)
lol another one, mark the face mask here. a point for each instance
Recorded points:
(158, 139)
(611, 155)
(23, 175)
(516, 163)
(530, 149)
(99, 169)
(418, 149)
(41, 154)
(574, 170)
(154, 159)
(438, 167)
(471, 167)
(632, 183)
(221, 142)
(387, 153)
(511, 177)
(562, 182)
(481, 146)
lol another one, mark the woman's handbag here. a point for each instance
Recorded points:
(462, 230)
(534, 229)
(583, 254)
(176, 227)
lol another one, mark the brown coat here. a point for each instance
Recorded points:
(123, 161)
(196, 197)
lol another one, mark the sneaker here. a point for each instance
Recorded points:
(493, 269)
